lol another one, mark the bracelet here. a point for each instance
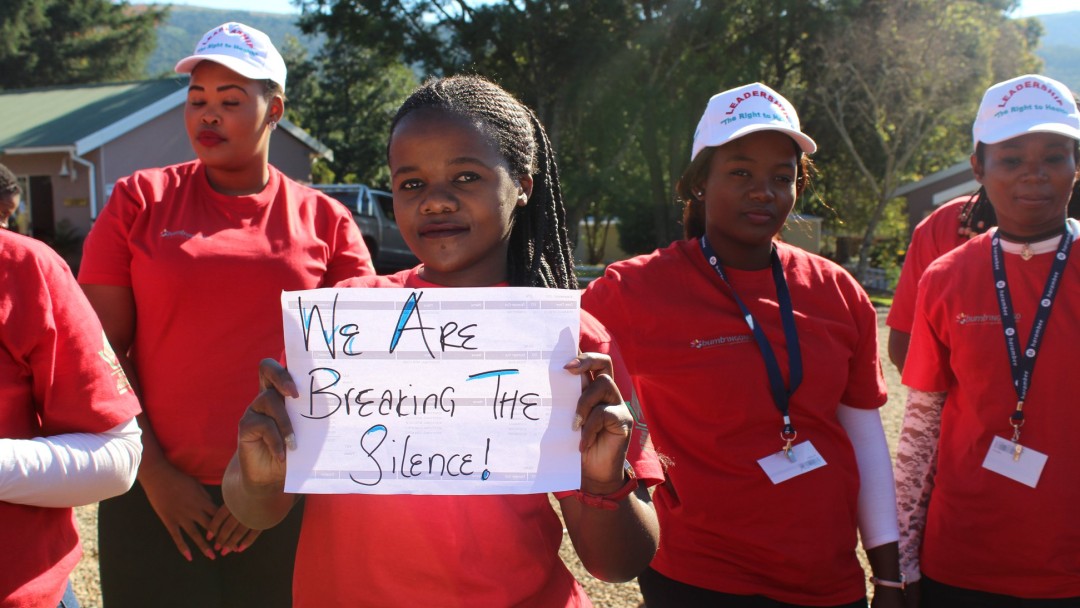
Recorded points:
(610, 502)
(878, 582)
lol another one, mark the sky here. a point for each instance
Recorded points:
(1027, 7)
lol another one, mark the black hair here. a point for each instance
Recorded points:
(539, 253)
(9, 184)
(270, 89)
(693, 180)
(977, 215)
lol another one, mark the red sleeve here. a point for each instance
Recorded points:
(78, 385)
(927, 367)
(106, 254)
(640, 452)
(934, 236)
(604, 300)
(349, 256)
(866, 388)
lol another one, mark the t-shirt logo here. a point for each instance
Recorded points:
(109, 356)
(980, 319)
(700, 343)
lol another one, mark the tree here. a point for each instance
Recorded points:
(897, 83)
(53, 42)
(346, 98)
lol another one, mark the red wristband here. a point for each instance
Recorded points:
(610, 502)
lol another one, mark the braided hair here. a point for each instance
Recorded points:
(539, 252)
(9, 184)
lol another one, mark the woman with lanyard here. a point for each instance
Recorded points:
(756, 367)
(986, 476)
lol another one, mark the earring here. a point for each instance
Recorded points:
(699, 193)
(273, 125)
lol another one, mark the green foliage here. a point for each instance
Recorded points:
(346, 97)
(53, 42)
(620, 85)
(184, 26)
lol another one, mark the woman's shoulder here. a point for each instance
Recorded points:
(162, 175)
(661, 262)
(306, 196)
(802, 260)
(18, 251)
(157, 184)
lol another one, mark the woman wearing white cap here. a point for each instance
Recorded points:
(185, 267)
(756, 368)
(987, 479)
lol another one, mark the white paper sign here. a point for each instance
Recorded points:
(432, 391)
(1002, 459)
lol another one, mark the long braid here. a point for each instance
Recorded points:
(539, 252)
(977, 215)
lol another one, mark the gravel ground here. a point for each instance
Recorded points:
(603, 595)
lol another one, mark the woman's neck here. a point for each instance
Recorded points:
(239, 182)
(741, 256)
(1031, 237)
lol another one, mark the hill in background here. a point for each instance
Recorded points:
(186, 25)
(1060, 48)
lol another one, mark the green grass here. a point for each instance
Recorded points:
(884, 300)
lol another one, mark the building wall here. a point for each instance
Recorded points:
(922, 201)
(159, 142)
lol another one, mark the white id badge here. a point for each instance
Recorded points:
(780, 469)
(1001, 459)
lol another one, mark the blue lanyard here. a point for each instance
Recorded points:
(781, 395)
(1023, 364)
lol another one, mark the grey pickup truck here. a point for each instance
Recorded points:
(373, 211)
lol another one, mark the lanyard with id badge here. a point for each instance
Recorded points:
(1007, 456)
(793, 459)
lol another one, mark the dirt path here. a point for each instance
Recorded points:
(603, 595)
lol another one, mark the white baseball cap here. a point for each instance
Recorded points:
(738, 112)
(1026, 104)
(241, 48)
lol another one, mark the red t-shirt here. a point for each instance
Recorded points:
(937, 234)
(705, 395)
(57, 375)
(985, 531)
(414, 550)
(207, 271)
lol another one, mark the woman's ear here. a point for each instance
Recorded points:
(525, 188)
(275, 110)
(977, 169)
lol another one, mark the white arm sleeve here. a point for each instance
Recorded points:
(72, 469)
(877, 493)
(916, 463)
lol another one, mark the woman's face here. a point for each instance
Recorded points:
(454, 197)
(227, 117)
(750, 189)
(1029, 180)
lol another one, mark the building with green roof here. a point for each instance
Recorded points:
(69, 144)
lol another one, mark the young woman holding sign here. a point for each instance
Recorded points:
(756, 366)
(986, 473)
(184, 267)
(477, 196)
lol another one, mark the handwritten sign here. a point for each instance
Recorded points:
(432, 391)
